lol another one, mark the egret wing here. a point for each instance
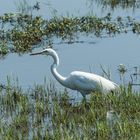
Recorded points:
(83, 81)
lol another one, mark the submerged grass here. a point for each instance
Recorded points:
(45, 113)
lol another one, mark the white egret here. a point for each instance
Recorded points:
(112, 118)
(83, 82)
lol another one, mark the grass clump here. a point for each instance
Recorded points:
(114, 4)
(44, 113)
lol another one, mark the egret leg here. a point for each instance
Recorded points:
(84, 96)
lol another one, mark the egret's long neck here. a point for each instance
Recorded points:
(54, 71)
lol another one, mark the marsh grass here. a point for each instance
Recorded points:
(114, 4)
(45, 113)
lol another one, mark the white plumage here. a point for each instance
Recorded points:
(83, 82)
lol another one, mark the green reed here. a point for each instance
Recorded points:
(46, 113)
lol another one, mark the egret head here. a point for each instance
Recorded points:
(48, 51)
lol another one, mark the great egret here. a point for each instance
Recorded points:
(83, 82)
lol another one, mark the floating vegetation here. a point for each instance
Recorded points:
(21, 32)
(45, 113)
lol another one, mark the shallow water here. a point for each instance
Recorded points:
(68, 8)
(108, 52)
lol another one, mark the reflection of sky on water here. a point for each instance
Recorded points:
(109, 52)
(67, 8)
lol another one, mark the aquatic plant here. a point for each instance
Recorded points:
(112, 4)
(43, 112)
(20, 33)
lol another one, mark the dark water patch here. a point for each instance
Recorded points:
(76, 42)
